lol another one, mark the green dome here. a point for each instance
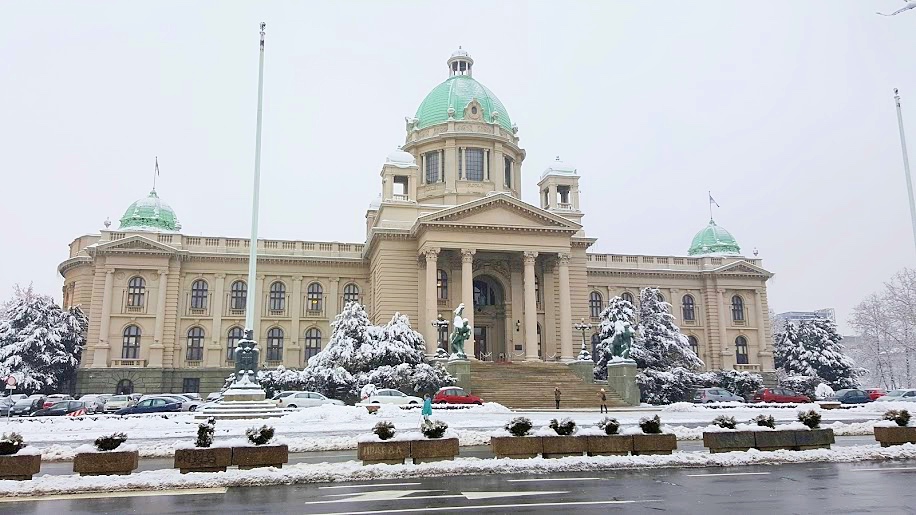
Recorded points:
(150, 214)
(714, 240)
(456, 93)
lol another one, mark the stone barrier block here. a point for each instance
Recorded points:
(203, 459)
(260, 456)
(106, 463)
(19, 468)
(435, 449)
(662, 443)
(610, 445)
(391, 453)
(516, 446)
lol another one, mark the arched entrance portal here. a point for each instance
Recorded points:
(489, 318)
(125, 387)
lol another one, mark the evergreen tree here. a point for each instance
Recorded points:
(813, 349)
(661, 345)
(617, 317)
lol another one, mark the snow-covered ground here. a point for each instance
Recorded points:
(336, 427)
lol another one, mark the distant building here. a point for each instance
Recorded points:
(797, 316)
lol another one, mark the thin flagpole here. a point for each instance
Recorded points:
(253, 245)
(906, 164)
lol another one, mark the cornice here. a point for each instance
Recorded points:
(73, 262)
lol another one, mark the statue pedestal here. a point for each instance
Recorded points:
(621, 378)
(585, 370)
(460, 369)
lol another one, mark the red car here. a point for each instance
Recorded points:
(455, 395)
(778, 395)
(874, 393)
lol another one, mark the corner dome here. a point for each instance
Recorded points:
(559, 168)
(400, 159)
(150, 214)
(714, 240)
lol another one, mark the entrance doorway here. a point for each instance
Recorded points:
(481, 348)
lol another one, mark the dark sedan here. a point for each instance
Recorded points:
(26, 407)
(852, 396)
(5, 404)
(154, 405)
(59, 409)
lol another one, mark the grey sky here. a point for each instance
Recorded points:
(783, 109)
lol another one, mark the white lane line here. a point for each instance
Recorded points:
(730, 474)
(367, 486)
(491, 506)
(401, 495)
(883, 469)
(129, 493)
(534, 480)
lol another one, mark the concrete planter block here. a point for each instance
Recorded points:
(516, 446)
(118, 463)
(438, 449)
(203, 459)
(774, 440)
(260, 456)
(654, 444)
(727, 441)
(388, 452)
(813, 439)
(562, 446)
(611, 445)
(19, 468)
(887, 436)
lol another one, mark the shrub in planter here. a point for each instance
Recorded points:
(902, 417)
(205, 433)
(109, 460)
(260, 435)
(384, 430)
(17, 467)
(261, 455)
(203, 458)
(609, 425)
(565, 427)
(651, 425)
(765, 421)
(519, 426)
(725, 422)
(11, 443)
(810, 418)
(433, 428)
(111, 442)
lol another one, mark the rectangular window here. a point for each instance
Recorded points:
(508, 172)
(474, 159)
(190, 385)
(432, 167)
(400, 187)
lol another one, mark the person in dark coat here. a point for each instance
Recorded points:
(556, 396)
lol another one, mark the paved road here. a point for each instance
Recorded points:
(479, 451)
(866, 487)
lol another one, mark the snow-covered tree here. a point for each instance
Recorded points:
(661, 345)
(40, 343)
(617, 317)
(813, 349)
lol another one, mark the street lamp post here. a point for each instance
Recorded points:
(441, 324)
(584, 327)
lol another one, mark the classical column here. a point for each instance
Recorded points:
(100, 356)
(467, 293)
(258, 309)
(332, 305)
(724, 349)
(432, 258)
(762, 343)
(531, 321)
(293, 349)
(566, 345)
(156, 349)
(676, 306)
(215, 355)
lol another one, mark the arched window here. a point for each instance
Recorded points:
(234, 336)
(741, 350)
(125, 387)
(661, 298)
(314, 298)
(130, 343)
(441, 285)
(199, 294)
(312, 342)
(238, 295)
(594, 304)
(694, 344)
(136, 291)
(351, 293)
(627, 296)
(277, 299)
(737, 309)
(484, 294)
(275, 344)
(195, 344)
(688, 307)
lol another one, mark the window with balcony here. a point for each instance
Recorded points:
(441, 284)
(688, 308)
(312, 342)
(737, 309)
(199, 294)
(563, 201)
(130, 343)
(275, 344)
(238, 296)
(432, 167)
(474, 158)
(351, 293)
(694, 344)
(195, 350)
(277, 297)
(314, 298)
(136, 292)
(234, 336)
(594, 304)
(741, 350)
(400, 187)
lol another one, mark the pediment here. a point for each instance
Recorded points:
(742, 268)
(497, 211)
(134, 244)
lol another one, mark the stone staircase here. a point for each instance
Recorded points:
(529, 385)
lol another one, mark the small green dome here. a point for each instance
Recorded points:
(456, 93)
(713, 240)
(150, 214)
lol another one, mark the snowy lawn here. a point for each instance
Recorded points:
(354, 471)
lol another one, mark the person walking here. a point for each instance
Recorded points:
(427, 407)
(556, 396)
(603, 396)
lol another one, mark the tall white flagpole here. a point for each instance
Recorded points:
(253, 245)
(906, 164)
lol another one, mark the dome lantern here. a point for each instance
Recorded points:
(460, 63)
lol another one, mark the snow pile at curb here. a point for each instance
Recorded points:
(353, 471)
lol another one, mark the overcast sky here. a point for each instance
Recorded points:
(784, 109)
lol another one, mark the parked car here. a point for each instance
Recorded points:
(903, 395)
(93, 403)
(116, 402)
(455, 395)
(26, 407)
(214, 396)
(707, 395)
(16, 397)
(186, 403)
(390, 396)
(193, 396)
(5, 404)
(305, 400)
(152, 405)
(778, 395)
(852, 396)
(875, 393)
(61, 408)
(54, 398)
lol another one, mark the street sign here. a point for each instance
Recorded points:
(11, 381)
(10, 387)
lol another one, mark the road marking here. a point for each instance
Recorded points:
(401, 495)
(883, 469)
(730, 474)
(553, 479)
(130, 493)
(367, 486)
(491, 506)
